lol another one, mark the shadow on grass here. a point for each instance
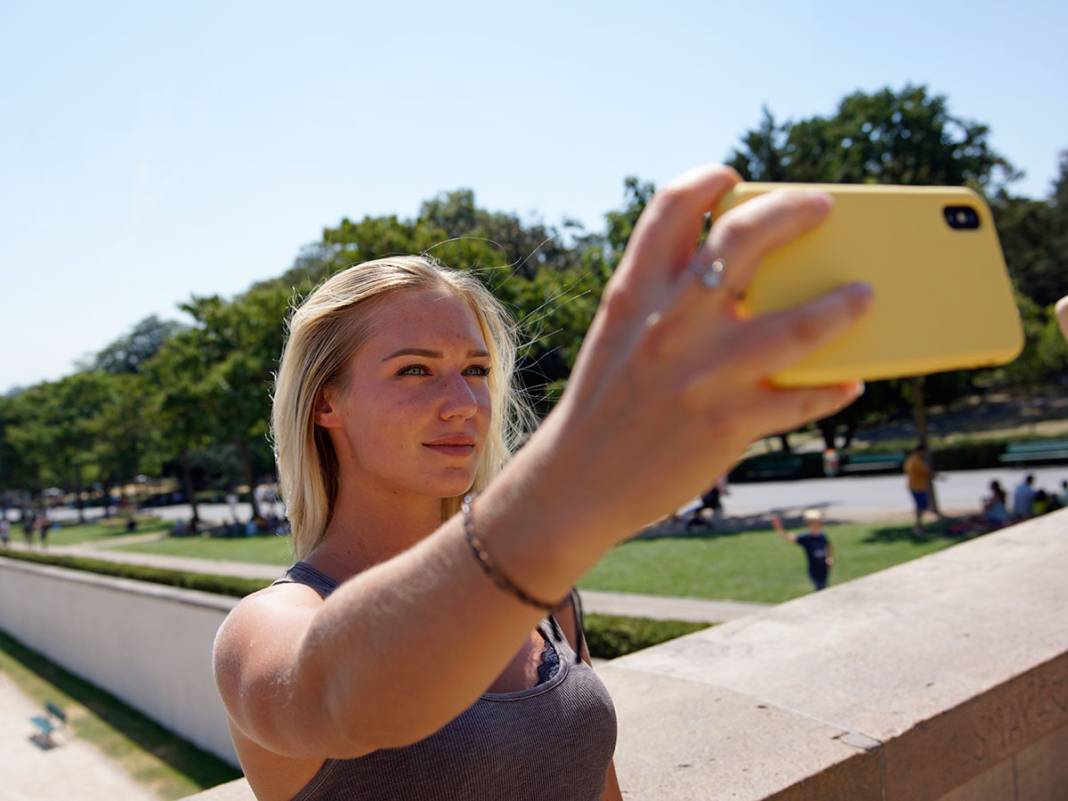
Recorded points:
(689, 528)
(199, 766)
(942, 530)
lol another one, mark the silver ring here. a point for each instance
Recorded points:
(710, 275)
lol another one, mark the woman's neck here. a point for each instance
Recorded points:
(369, 527)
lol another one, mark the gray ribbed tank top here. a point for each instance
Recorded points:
(554, 739)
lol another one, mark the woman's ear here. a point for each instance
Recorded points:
(326, 414)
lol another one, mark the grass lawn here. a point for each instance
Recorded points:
(270, 549)
(743, 566)
(157, 759)
(752, 565)
(97, 530)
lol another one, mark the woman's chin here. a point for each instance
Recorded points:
(455, 482)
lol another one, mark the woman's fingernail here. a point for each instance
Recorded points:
(862, 290)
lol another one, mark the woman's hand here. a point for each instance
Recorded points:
(671, 383)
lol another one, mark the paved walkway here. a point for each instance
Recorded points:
(846, 498)
(75, 769)
(627, 604)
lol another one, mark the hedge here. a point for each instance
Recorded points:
(607, 636)
(234, 586)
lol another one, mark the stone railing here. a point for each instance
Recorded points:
(943, 679)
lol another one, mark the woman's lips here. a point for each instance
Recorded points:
(453, 450)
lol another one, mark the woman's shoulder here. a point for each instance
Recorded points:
(273, 611)
(289, 594)
(260, 637)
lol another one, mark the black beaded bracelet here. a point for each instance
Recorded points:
(491, 570)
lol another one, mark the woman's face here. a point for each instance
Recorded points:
(413, 413)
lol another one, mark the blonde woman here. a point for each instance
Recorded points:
(419, 650)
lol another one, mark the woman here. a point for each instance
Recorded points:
(414, 652)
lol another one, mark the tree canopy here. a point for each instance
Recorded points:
(169, 397)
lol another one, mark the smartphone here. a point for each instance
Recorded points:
(943, 298)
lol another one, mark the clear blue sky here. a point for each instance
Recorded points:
(150, 151)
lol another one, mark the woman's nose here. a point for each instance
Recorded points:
(458, 399)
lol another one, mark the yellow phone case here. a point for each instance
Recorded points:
(943, 299)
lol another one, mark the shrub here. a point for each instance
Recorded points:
(609, 636)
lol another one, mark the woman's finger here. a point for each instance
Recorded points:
(666, 234)
(744, 235)
(773, 411)
(711, 356)
(739, 240)
(772, 342)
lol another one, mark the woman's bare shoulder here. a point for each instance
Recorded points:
(276, 614)
(291, 593)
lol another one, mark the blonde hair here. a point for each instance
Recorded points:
(324, 332)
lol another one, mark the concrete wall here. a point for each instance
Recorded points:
(147, 644)
(944, 679)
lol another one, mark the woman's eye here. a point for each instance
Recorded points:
(422, 370)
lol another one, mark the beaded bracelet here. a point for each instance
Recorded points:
(490, 569)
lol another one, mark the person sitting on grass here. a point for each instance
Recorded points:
(994, 506)
(1023, 498)
(818, 548)
(711, 501)
(1041, 503)
(993, 516)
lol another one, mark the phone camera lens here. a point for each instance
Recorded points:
(961, 218)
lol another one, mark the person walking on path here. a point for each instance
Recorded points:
(918, 475)
(818, 548)
(5, 529)
(1023, 498)
(41, 524)
(427, 643)
(712, 500)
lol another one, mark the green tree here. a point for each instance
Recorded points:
(550, 279)
(127, 442)
(886, 137)
(181, 404)
(129, 352)
(1034, 236)
(56, 432)
(241, 342)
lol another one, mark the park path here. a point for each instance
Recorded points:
(657, 607)
(75, 769)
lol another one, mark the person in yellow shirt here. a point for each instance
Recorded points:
(918, 473)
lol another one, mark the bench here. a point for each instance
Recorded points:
(865, 462)
(54, 720)
(773, 467)
(1037, 451)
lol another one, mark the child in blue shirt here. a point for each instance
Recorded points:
(818, 548)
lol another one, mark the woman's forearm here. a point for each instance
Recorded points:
(413, 641)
